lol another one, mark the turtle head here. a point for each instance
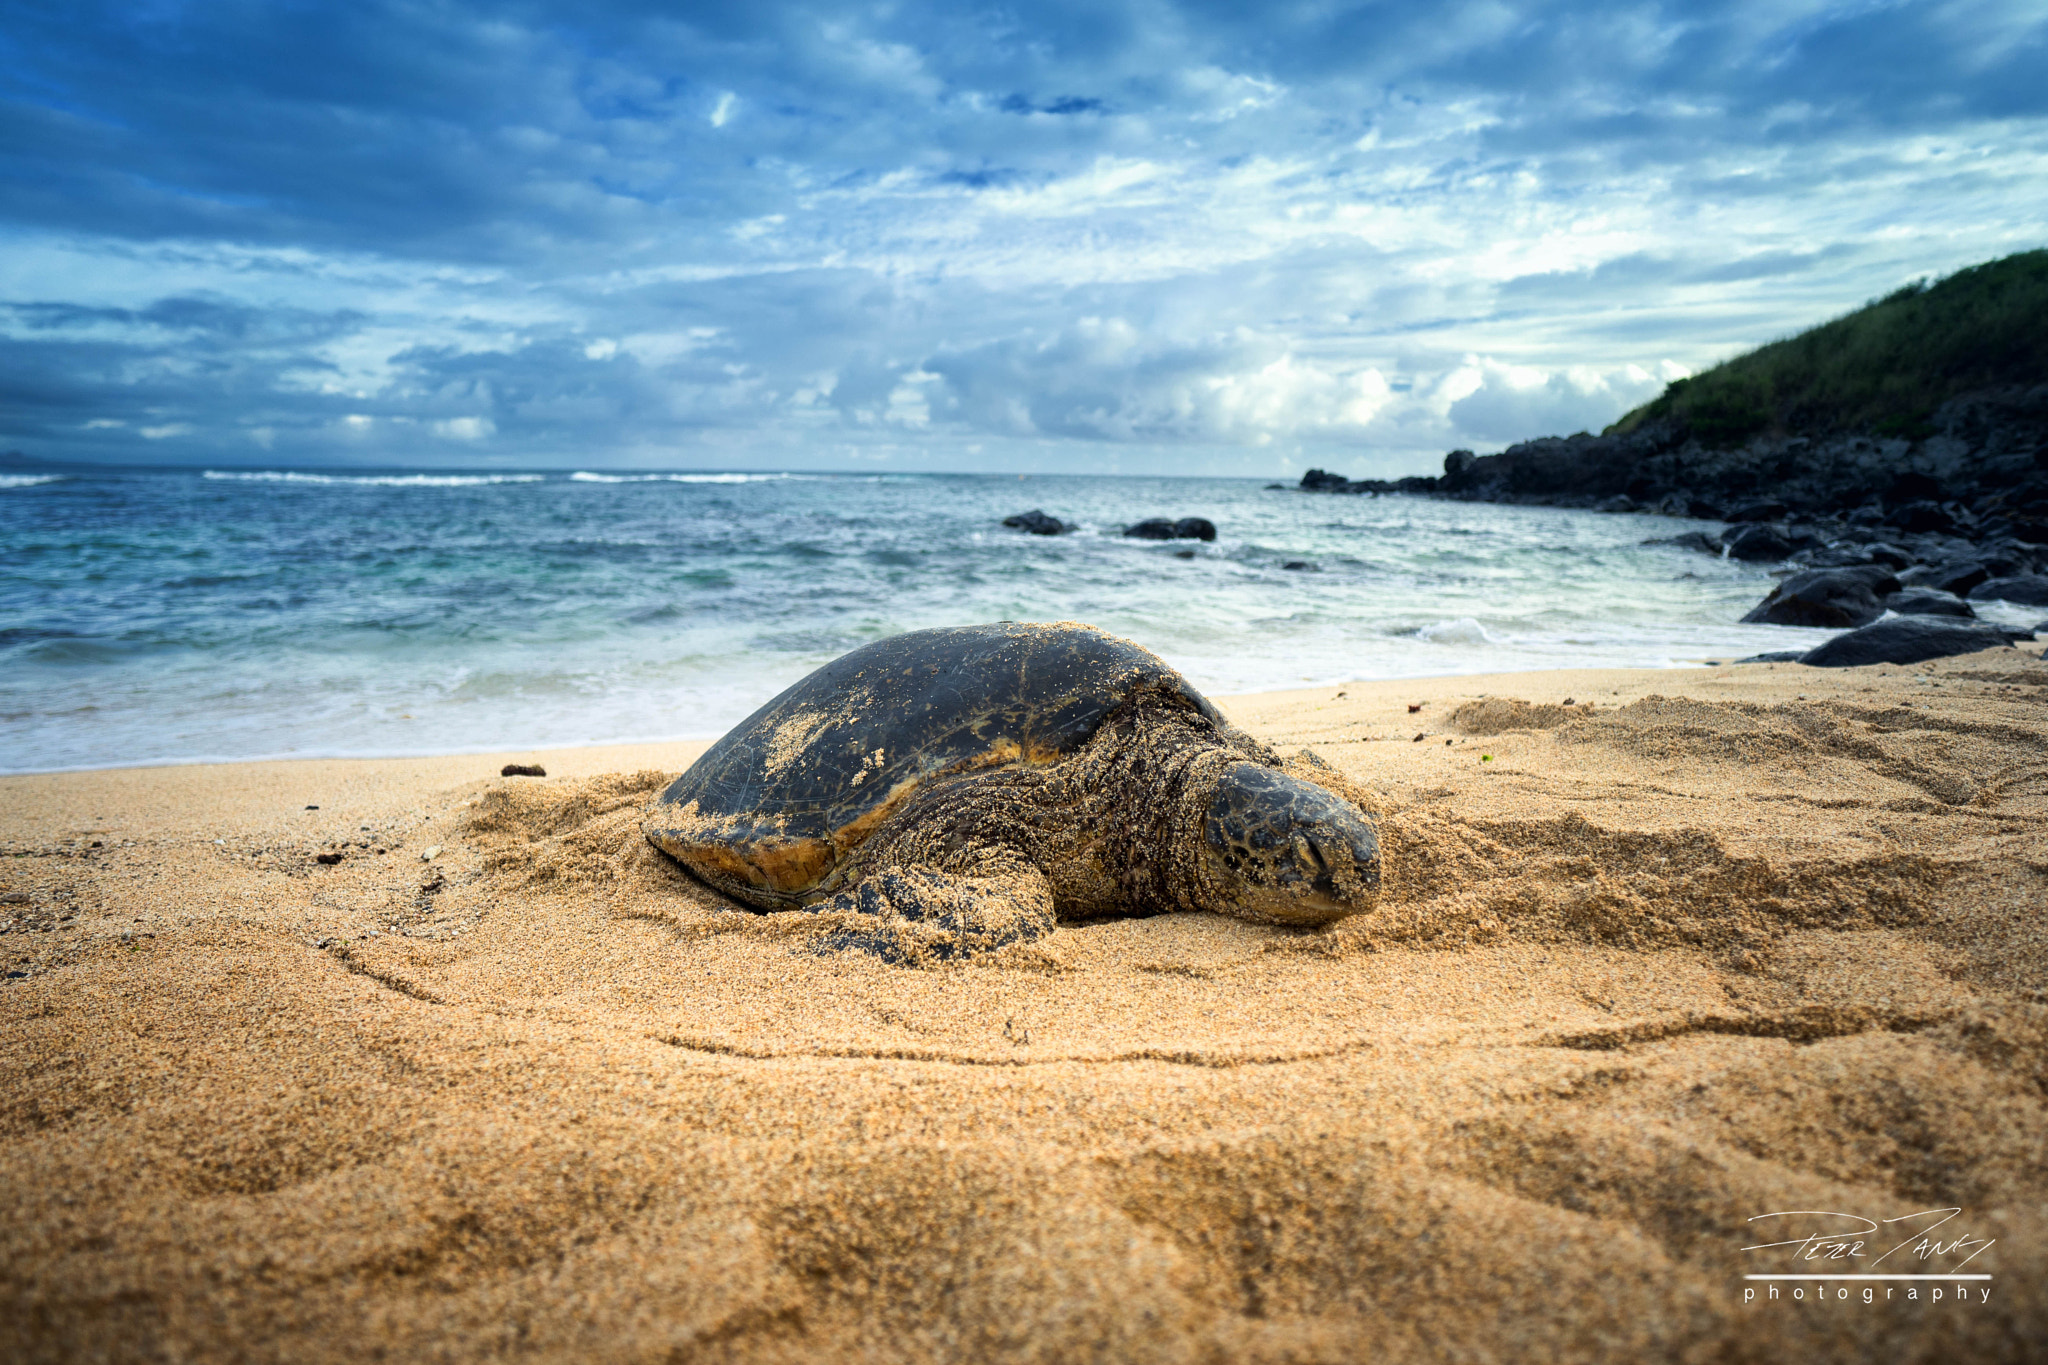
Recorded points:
(1288, 851)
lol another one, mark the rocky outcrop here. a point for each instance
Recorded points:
(2027, 589)
(1036, 523)
(1906, 640)
(1927, 602)
(1837, 598)
(1983, 470)
(1322, 481)
(1962, 504)
(1159, 528)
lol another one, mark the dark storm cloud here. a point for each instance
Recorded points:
(211, 321)
(438, 230)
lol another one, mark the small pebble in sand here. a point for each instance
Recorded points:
(429, 853)
(522, 770)
(1416, 740)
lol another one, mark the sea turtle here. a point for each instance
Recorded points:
(985, 780)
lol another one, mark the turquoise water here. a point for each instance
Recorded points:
(172, 616)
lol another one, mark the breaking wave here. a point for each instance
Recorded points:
(374, 480)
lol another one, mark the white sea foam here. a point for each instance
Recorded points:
(376, 480)
(585, 476)
(1463, 631)
(28, 480)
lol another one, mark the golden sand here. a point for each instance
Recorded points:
(1690, 947)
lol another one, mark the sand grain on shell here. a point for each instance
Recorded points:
(787, 743)
(1702, 945)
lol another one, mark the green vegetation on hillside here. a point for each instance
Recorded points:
(1883, 369)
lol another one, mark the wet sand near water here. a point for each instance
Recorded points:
(1658, 952)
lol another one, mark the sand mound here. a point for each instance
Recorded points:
(1496, 715)
(1640, 976)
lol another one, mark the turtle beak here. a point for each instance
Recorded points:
(1339, 864)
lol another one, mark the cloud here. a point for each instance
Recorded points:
(1191, 234)
(1508, 403)
(1105, 379)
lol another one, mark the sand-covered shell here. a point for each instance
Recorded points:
(770, 811)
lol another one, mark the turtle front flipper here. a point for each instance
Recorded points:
(915, 914)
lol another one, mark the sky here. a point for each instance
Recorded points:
(1101, 236)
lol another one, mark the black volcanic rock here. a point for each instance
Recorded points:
(2029, 589)
(1906, 640)
(1956, 576)
(1036, 523)
(1768, 510)
(1927, 602)
(1825, 597)
(1690, 540)
(1159, 528)
(1322, 481)
(1918, 518)
(1911, 486)
(1757, 543)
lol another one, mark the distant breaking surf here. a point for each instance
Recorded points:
(584, 476)
(379, 480)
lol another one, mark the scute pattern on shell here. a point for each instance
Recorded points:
(771, 809)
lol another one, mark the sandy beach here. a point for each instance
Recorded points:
(1659, 952)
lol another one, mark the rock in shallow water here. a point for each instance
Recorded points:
(1758, 542)
(1159, 528)
(1689, 540)
(1036, 523)
(1826, 597)
(1927, 602)
(2029, 589)
(1906, 640)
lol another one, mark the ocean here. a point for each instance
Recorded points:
(174, 616)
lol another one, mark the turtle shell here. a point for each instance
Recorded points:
(771, 809)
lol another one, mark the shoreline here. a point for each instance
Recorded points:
(1658, 950)
(500, 756)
